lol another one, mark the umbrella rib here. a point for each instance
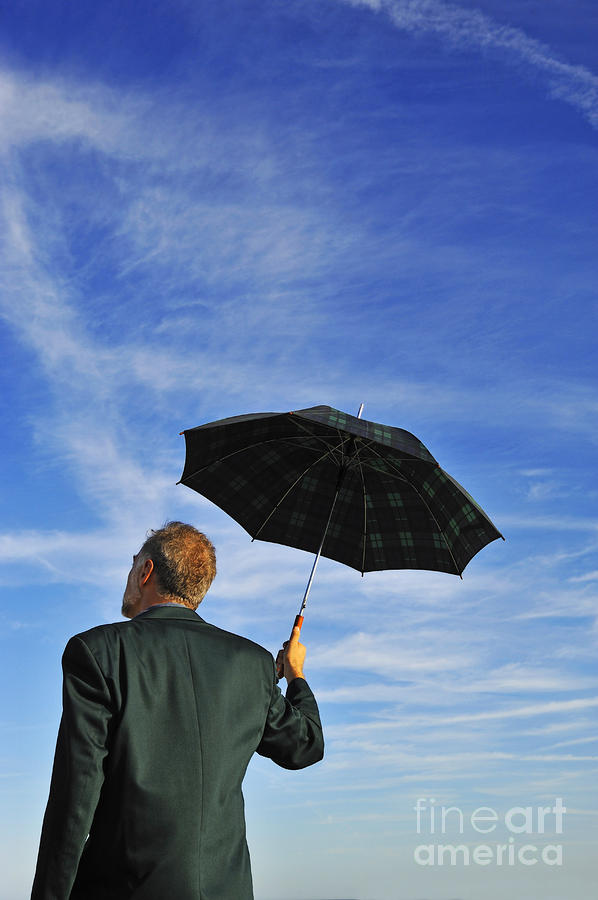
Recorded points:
(289, 489)
(368, 443)
(317, 437)
(299, 437)
(423, 499)
(365, 512)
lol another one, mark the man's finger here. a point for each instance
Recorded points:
(295, 634)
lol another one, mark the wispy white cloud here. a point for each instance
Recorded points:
(52, 110)
(550, 522)
(591, 739)
(587, 576)
(471, 29)
(517, 678)
(84, 425)
(539, 709)
(405, 721)
(561, 602)
(560, 726)
(464, 759)
(542, 490)
(389, 654)
(510, 679)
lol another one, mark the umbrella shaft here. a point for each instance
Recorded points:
(319, 553)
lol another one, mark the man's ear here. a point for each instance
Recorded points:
(146, 570)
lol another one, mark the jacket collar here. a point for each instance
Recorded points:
(161, 611)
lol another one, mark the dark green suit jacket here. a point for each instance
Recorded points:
(161, 715)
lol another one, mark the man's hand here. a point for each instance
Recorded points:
(289, 660)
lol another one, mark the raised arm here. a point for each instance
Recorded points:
(293, 735)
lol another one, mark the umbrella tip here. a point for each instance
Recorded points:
(360, 411)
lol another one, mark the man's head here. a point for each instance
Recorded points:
(177, 563)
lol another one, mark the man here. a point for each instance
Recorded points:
(161, 716)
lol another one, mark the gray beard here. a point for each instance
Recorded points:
(126, 606)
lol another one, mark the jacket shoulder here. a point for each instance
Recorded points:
(230, 636)
(101, 637)
(100, 633)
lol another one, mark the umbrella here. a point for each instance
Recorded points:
(367, 495)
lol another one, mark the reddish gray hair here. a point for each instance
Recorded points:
(184, 562)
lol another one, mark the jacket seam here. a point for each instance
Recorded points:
(201, 812)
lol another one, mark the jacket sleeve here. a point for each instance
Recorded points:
(77, 775)
(293, 736)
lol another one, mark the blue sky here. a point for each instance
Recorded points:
(211, 209)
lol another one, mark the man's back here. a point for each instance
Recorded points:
(161, 717)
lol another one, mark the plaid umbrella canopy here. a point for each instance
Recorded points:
(370, 496)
